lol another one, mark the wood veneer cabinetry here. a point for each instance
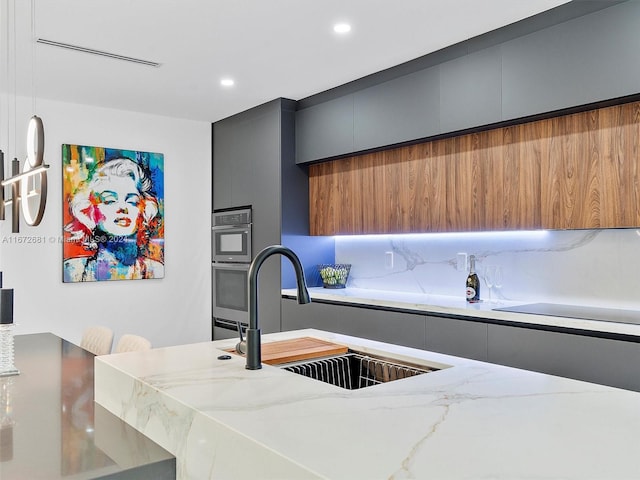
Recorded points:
(569, 172)
(591, 169)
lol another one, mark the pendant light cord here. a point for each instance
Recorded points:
(33, 56)
(5, 71)
(15, 85)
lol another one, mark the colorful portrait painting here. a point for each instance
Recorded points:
(113, 202)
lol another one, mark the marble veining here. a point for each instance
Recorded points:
(456, 306)
(583, 267)
(472, 420)
(406, 464)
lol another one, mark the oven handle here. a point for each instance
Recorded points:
(231, 265)
(229, 227)
(229, 325)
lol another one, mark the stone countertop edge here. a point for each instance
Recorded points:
(223, 421)
(442, 305)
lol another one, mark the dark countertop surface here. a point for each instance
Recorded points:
(51, 428)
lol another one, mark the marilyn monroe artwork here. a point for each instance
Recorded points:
(113, 214)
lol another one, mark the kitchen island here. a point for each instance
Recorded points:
(469, 419)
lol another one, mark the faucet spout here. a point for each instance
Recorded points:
(254, 354)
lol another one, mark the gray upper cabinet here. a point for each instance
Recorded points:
(324, 130)
(223, 147)
(471, 90)
(397, 111)
(588, 59)
(246, 167)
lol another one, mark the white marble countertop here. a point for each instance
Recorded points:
(473, 420)
(447, 305)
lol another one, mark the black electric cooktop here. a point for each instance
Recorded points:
(577, 311)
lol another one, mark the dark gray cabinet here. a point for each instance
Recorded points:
(223, 171)
(254, 164)
(248, 154)
(398, 110)
(386, 326)
(592, 359)
(598, 360)
(324, 130)
(246, 161)
(461, 338)
(583, 60)
(588, 59)
(471, 90)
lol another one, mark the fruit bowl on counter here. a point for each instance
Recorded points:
(334, 275)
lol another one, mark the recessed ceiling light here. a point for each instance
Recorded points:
(342, 28)
(227, 82)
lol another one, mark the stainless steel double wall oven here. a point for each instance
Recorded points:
(231, 254)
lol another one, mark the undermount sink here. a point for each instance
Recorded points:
(354, 370)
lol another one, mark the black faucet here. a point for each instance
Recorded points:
(254, 355)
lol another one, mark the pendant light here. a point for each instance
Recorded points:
(34, 171)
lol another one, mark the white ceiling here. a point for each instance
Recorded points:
(272, 48)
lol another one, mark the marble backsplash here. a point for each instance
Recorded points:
(599, 268)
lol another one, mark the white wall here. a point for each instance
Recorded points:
(169, 311)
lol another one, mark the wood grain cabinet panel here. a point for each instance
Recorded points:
(591, 170)
(621, 183)
(571, 172)
(571, 191)
(465, 183)
(522, 153)
(415, 185)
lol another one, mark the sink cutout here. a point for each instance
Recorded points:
(355, 370)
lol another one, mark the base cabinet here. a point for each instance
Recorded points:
(461, 338)
(598, 360)
(392, 327)
(591, 359)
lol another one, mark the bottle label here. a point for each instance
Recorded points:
(471, 293)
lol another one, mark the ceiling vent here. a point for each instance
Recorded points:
(115, 56)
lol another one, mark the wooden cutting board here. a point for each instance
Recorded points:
(285, 351)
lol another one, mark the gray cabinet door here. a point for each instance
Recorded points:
(391, 327)
(597, 360)
(246, 159)
(223, 163)
(246, 167)
(398, 110)
(297, 317)
(324, 130)
(588, 59)
(471, 90)
(461, 338)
